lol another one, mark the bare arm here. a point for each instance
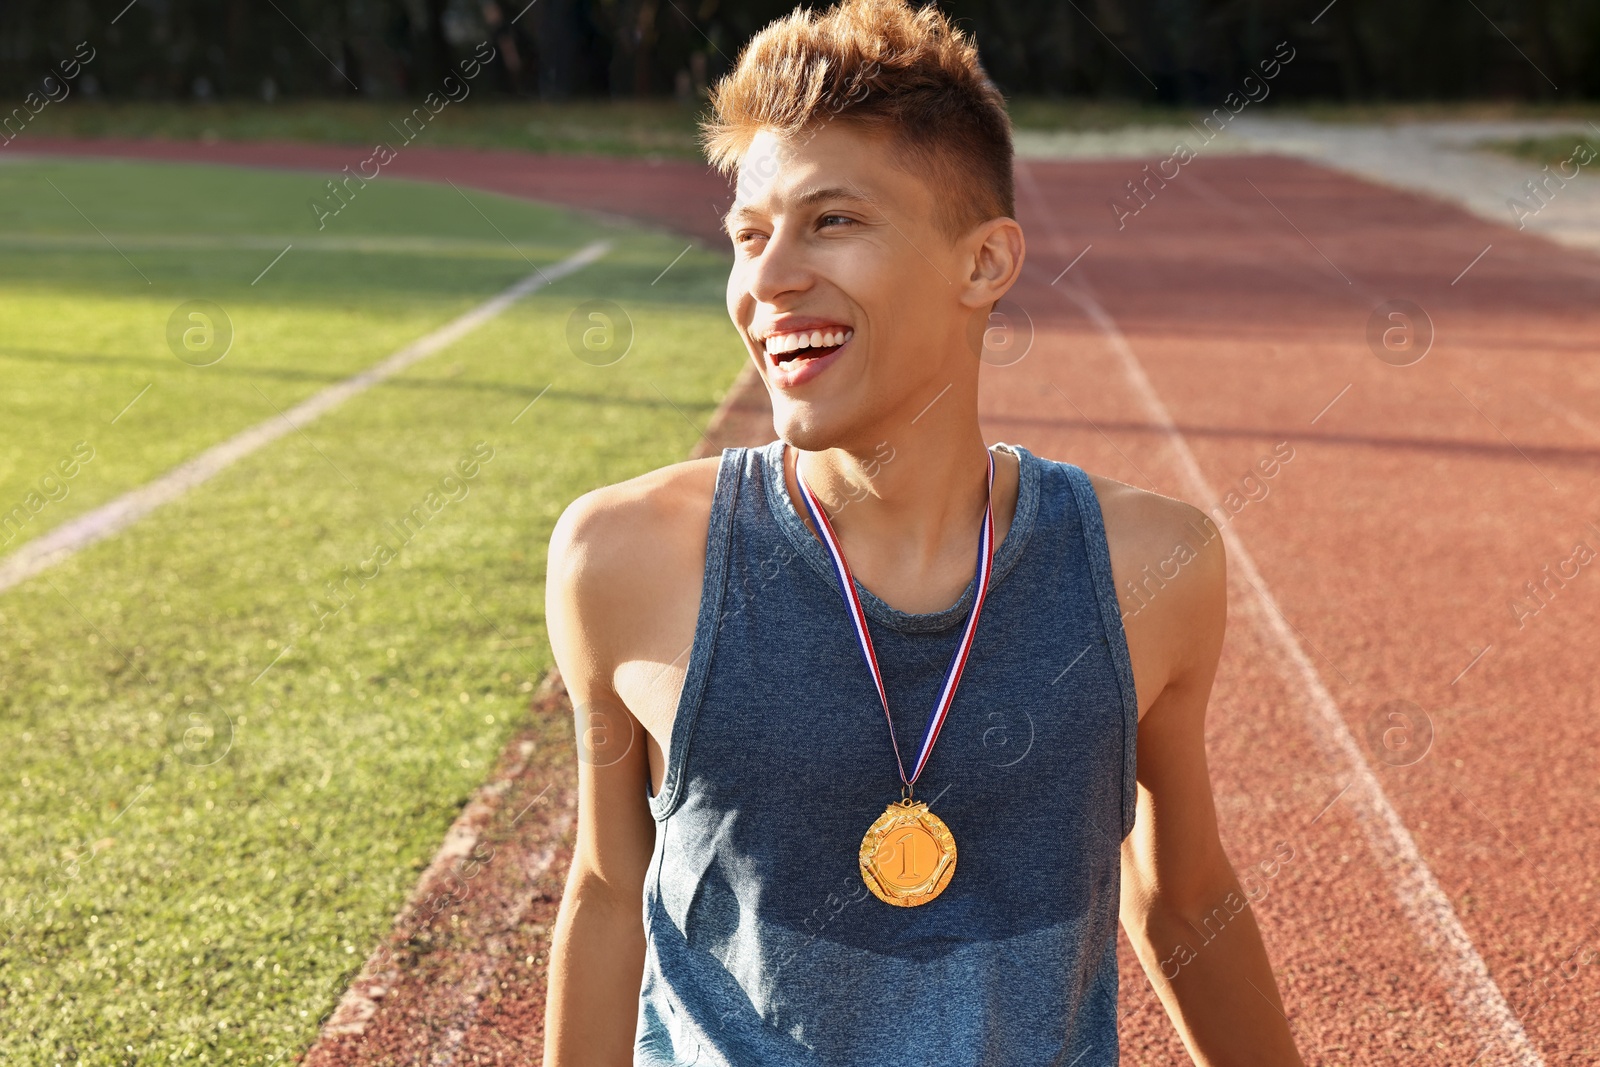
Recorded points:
(1182, 907)
(598, 945)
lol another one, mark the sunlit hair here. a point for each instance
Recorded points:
(886, 67)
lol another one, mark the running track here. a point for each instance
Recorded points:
(1225, 319)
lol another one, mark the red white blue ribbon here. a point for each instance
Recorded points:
(858, 618)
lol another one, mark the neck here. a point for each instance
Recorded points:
(907, 509)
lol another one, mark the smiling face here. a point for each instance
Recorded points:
(856, 308)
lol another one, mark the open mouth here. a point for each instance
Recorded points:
(785, 348)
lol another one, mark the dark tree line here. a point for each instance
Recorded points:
(1182, 51)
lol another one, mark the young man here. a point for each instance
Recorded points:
(846, 796)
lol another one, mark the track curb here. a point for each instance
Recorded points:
(743, 417)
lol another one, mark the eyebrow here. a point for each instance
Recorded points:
(805, 200)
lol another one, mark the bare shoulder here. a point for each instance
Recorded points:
(641, 541)
(610, 515)
(1170, 570)
(1147, 528)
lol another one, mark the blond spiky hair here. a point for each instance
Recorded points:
(882, 65)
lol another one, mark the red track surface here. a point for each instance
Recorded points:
(1411, 515)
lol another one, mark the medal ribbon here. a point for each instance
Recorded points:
(858, 619)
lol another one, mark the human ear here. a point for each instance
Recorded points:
(997, 250)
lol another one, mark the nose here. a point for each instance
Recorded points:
(782, 267)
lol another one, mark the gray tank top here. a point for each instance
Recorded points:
(765, 947)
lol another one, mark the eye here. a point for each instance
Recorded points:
(827, 219)
(747, 235)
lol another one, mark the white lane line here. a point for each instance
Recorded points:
(108, 519)
(1427, 907)
(1425, 904)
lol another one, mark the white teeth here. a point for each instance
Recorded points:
(781, 344)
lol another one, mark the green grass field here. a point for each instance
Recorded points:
(1553, 151)
(663, 128)
(216, 792)
(600, 127)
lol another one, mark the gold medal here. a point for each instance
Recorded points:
(908, 854)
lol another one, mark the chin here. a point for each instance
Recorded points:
(804, 427)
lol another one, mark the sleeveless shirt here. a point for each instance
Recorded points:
(764, 945)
